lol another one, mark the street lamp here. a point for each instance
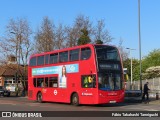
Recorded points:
(139, 36)
(130, 49)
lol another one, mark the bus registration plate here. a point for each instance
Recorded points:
(112, 101)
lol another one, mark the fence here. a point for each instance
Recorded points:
(154, 85)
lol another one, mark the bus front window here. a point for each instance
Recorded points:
(108, 53)
(109, 82)
(110, 72)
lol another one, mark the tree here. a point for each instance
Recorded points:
(45, 36)
(135, 64)
(150, 66)
(84, 38)
(151, 61)
(74, 32)
(101, 35)
(18, 44)
(82, 22)
(152, 72)
(60, 37)
(71, 36)
(123, 52)
(99, 42)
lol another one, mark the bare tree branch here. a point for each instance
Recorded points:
(45, 36)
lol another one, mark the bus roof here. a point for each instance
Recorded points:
(65, 49)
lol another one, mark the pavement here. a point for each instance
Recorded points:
(151, 101)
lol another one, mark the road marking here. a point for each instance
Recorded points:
(33, 104)
(151, 110)
(146, 108)
(8, 104)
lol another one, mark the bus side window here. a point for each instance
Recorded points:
(33, 61)
(63, 56)
(53, 82)
(40, 82)
(46, 82)
(35, 82)
(85, 53)
(88, 81)
(53, 58)
(74, 55)
(46, 59)
(40, 60)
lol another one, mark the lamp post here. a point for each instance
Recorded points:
(139, 36)
(130, 49)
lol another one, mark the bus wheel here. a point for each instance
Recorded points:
(39, 97)
(75, 99)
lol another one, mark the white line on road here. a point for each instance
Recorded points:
(145, 109)
(33, 104)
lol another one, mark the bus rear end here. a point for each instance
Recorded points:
(109, 75)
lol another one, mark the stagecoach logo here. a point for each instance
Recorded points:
(55, 92)
(87, 94)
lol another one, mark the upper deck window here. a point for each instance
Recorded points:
(33, 61)
(53, 58)
(63, 56)
(85, 53)
(46, 59)
(74, 55)
(40, 60)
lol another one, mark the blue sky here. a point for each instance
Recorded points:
(121, 17)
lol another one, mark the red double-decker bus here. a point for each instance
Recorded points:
(86, 74)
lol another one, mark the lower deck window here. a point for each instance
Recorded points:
(88, 81)
(45, 82)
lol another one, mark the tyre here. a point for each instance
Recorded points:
(39, 97)
(75, 99)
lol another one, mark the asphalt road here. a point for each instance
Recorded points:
(23, 104)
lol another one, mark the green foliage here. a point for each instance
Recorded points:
(135, 65)
(149, 66)
(153, 59)
(99, 42)
(84, 38)
(149, 63)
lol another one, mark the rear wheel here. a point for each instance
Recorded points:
(75, 99)
(39, 97)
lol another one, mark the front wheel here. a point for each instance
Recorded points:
(39, 97)
(75, 99)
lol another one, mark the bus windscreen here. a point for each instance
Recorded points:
(109, 68)
(108, 53)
